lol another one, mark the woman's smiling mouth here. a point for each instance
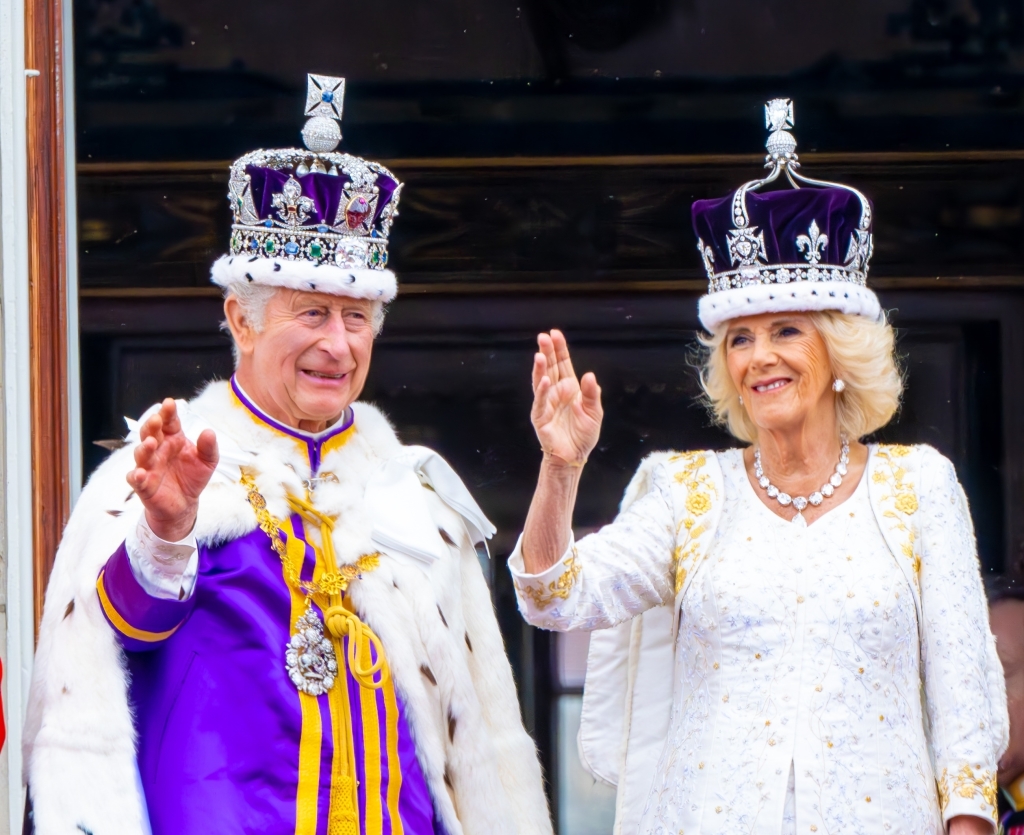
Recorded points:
(771, 385)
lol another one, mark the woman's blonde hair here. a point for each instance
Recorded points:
(862, 355)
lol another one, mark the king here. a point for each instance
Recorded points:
(280, 623)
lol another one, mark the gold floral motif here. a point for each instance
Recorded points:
(906, 503)
(338, 583)
(700, 490)
(557, 589)
(902, 496)
(969, 783)
(698, 503)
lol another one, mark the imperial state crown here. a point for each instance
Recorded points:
(312, 218)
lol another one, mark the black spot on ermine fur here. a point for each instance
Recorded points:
(444, 535)
(69, 609)
(443, 620)
(469, 643)
(451, 727)
(428, 674)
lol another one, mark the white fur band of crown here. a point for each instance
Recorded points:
(799, 296)
(358, 282)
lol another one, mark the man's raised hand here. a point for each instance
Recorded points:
(566, 412)
(171, 472)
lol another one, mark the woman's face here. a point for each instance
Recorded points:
(780, 366)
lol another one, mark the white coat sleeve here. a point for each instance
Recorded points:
(610, 576)
(964, 688)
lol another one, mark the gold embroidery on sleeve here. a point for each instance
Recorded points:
(557, 589)
(699, 491)
(969, 783)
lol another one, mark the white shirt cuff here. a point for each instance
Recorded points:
(518, 567)
(164, 569)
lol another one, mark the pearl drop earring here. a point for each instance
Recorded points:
(838, 386)
(741, 399)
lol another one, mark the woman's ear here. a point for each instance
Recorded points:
(235, 318)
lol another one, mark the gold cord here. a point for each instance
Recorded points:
(339, 618)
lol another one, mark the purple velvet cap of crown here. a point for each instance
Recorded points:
(325, 190)
(783, 217)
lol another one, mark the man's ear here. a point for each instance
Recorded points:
(241, 331)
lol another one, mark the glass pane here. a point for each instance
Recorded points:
(585, 807)
(571, 654)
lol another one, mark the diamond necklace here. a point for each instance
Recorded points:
(816, 498)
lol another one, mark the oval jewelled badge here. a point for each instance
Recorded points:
(309, 656)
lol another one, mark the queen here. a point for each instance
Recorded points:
(808, 645)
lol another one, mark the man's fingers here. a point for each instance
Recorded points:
(206, 446)
(153, 427)
(146, 452)
(169, 417)
(141, 480)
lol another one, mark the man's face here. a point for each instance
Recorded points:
(1007, 619)
(310, 360)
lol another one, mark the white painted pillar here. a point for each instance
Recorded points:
(17, 618)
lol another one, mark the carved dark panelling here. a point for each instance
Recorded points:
(613, 221)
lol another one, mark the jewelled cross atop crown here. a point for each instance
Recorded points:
(313, 206)
(804, 248)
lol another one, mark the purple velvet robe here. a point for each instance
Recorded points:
(218, 720)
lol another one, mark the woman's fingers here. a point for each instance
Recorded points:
(562, 359)
(540, 366)
(591, 396)
(541, 411)
(547, 348)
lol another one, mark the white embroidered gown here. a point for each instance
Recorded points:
(798, 704)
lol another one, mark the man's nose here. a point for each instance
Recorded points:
(334, 336)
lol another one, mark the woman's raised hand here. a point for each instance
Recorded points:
(171, 472)
(566, 412)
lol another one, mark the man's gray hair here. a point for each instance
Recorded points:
(253, 300)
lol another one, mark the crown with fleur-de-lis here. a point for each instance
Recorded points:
(296, 208)
(809, 245)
